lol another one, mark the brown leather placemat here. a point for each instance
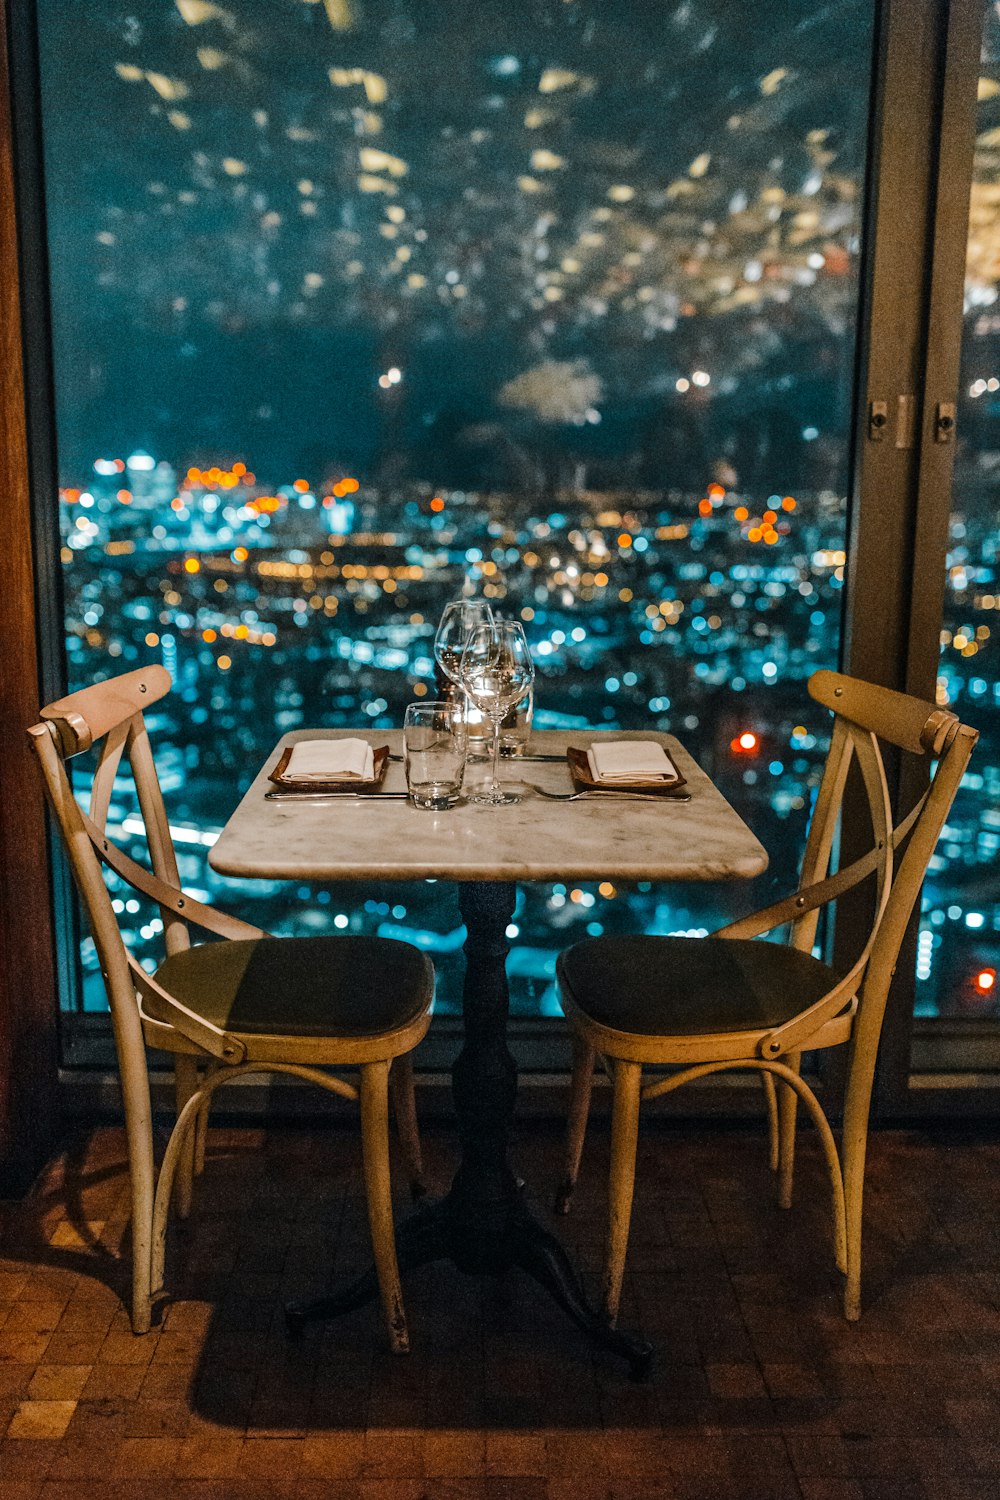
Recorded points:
(355, 787)
(583, 781)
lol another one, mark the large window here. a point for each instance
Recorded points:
(361, 302)
(959, 944)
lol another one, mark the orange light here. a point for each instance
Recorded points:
(754, 534)
(770, 515)
(351, 486)
(240, 555)
(788, 503)
(120, 465)
(437, 504)
(301, 485)
(716, 490)
(624, 540)
(239, 470)
(125, 496)
(704, 507)
(209, 636)
(985, 980)
(744, 743)
(770, 537)
(194, 476)
(192, 565)
(741, 513)
(214, 474)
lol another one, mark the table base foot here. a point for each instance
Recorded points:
(451, 1229)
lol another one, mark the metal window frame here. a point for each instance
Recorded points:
(911, 338)
(908, 340)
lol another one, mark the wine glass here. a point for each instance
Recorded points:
(496, 672)
(459, 620)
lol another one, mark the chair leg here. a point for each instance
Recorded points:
(773, 1136)
(142, 1177)
(624, 1142)
(185, 1084)
(404, 1105)
(788, 1104)
(576, 1124)
(375, 1151)
(854, 1149)
(201, 1124)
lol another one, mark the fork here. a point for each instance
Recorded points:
(608, 796)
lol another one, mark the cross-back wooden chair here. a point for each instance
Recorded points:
(250, 1003)
(708, 1005)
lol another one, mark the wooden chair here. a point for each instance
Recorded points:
(249, 1004)
(725, 1002)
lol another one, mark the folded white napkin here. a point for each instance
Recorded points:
(631, 760)
(331, 760)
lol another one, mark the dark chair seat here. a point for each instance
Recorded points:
(310, 987)
(676, 986)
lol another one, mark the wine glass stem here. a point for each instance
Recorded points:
(496, 751)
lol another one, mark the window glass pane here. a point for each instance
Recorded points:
(357, 301)
(959, 944)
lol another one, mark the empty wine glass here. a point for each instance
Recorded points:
(496, 672)
(459, 620)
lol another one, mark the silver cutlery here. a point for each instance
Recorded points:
(538, 759)
(597, 796)
(289, 796)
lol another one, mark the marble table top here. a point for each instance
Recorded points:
(364, 839)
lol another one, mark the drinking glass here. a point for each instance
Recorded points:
(497, 672)
(434, 754)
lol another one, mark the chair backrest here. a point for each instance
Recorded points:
(108, 719)
(864, 716)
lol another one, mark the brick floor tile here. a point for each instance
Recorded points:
(59, 1382)
(391, 1454)
(108, 1381)
(209, 1457)
(338, 1455)
(28, 1458)
(41, 1419)
(516, 1453)
(148, 1457)
(456, 1454)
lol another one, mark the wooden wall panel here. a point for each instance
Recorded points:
(28, 1009)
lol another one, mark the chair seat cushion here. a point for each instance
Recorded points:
(317, 986)
(677, 986)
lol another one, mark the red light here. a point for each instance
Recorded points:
(985, 980)
(744, 743)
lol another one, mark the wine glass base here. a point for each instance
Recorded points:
(491, 798)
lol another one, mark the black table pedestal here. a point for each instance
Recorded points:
(482, 1224)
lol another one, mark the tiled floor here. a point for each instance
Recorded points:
(761, 1389)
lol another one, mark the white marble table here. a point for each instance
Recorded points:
(703, 839)
(482, 1224)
